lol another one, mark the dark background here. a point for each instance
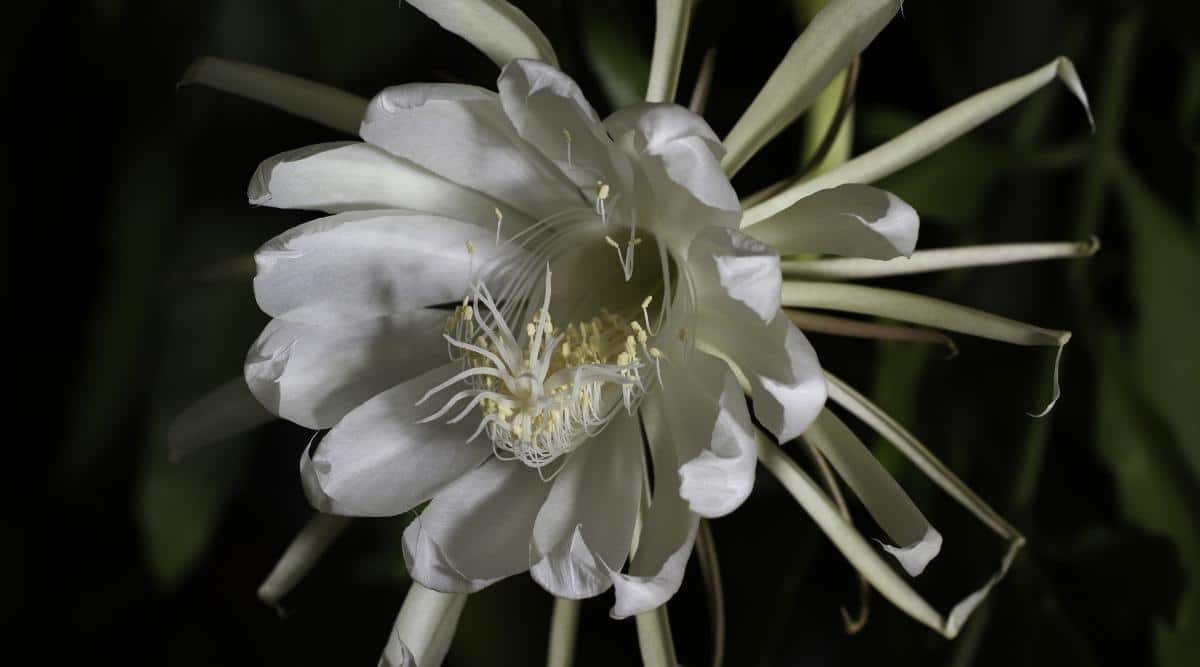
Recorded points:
(128, 231)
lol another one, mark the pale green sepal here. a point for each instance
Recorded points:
(837, 34)
(424, 628)
(654, 638)
(314, 101)
(498, 29)
(306, 548)
(919, 309)
(564, 624)
(941, 259)
(671, 21)
(925, 138)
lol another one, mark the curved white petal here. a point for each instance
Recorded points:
(669, 529)
(679, 158)
(777, 362)
(345, 176)
(313, 375)
(736, 274)
(362, 265)
(917, 542)
(461, 132)
(498, 29)
(476, 530)
(841, 30)
(714, 437)
(379, 461)
(585, 528)
(721, 477)
(850, 220)
(222, 413)
(548, 110)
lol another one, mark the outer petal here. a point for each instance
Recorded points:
(737, 273)
(707, 414)
(379, 461)
(779, 364)
(477, 530)
(679, 159)
(585, 528)
(549, 111)
(347, 176)
(883, 497)
(850, 220)
(361, 265)
(313, 375)
(669, 530)
(461, 133)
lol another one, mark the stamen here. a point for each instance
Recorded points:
(499, 221)
(540, 400)
(567, 136)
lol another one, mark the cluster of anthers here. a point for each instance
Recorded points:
(543, 391)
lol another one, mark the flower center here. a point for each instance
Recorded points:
(543, 391)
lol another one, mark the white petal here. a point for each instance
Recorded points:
(462, 134)
(918, 542)
(223, 413)
(498, 29)
(841, 30)
(347, 176)
(423, 629)
(585, 528)
(362, 265)
(307, 99)
(735, 273)
(849, 220)
(379, 461)
(313, 375)
(546, 107)
(669, 530)
(779, 365)
(713, 434)
(477, 530)
(930, 135)
(680, 155)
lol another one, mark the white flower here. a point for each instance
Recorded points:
(513, 300)
(497, 338)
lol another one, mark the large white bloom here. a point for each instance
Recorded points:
(520, 314)
(504, 335)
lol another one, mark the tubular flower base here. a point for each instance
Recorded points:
(510, 301)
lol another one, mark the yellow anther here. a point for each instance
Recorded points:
(603, 192)
(470, 248)
(646, 302)
(656, 353)
(530, 329)
(642, 337)
(609, 240)
(635, 241)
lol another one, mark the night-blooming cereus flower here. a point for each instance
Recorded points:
(513, 299)
(496, 341)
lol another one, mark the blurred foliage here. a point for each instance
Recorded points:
(152, 562)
